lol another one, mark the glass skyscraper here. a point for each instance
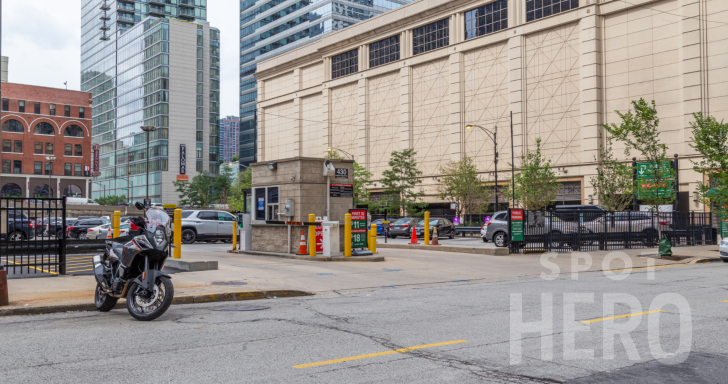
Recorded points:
(151, 62)
(271, 27)
(229, 138)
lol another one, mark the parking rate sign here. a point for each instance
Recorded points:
(516, 225)
(358, 228)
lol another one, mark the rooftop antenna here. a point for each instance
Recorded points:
(66, 84)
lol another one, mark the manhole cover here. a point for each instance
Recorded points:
(228, 283)
(240, 309)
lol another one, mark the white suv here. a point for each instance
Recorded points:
(206, 225)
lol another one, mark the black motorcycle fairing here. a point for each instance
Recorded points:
(150, 278)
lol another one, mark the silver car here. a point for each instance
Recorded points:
(206, 225)
(497, 231)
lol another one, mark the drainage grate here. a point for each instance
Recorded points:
(240, 309)
(228, 283)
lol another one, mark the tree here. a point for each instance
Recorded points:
(710, 139)
(535, 183)
(196, 193)
(236, 200)
(235, 158)
(223, 183)
(613, 185)
(639, 132)
(110, 200)
(362, 179)
(462, 186)
(400, 181)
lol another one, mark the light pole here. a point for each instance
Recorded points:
(331, 149)
(148, 129)
(51, 159)
(102, 185)
(493, 135)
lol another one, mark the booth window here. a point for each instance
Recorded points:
(273, 203)
(260, 204)
(266, 203)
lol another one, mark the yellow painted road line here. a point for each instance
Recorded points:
(378, 354)
(643, 268)
(725, 301)
(37, 269)
(619, 317)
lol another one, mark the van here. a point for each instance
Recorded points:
(80, 201)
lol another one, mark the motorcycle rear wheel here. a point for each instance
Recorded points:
(104, 302)
(149, 308)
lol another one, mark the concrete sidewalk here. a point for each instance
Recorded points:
(403, 268)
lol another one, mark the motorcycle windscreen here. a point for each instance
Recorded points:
(159, 227)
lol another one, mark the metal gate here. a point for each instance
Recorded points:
(33, 236)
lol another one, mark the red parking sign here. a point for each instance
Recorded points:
(517, 214)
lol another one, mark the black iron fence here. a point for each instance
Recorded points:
(564, 231)
(33, 235)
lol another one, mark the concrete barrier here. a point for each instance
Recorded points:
(448, 248)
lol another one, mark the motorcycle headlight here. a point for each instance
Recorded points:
(159, 236)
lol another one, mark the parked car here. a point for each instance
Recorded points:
(86, 218)
(79, 229)
(106, 232)
(55, 225)
(19, 226)
(578, 213)
(80, 201)
(723, 248)
(498, 232)
(206, 225)
(378, 222)
(444, 226)
(634, 222)
(402, 227)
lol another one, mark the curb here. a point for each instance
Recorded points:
(449, 248)
(309, 258)
(186, 299)
(705, 260)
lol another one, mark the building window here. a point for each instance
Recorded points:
(68, 169)
(36, 108)
(77, 170)
(7, 145)
(536, 9)
(38, 168)
(21, 105)
(13, 126)
(78, 150)
(486, 19)
(18, 147)
(384, 51)
(38, 148)
(68, 150)
(6, 166)
(345, 64)
(53, 109)
(48, 168)
(67, 111)
(431, 36)
(73, 131)
(43, 129)
(6, 104)
(17, 166)
(81, 112)
(49, 148)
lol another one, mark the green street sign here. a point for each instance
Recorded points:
(724, 229)
(358, 228)
(516, 225)
(647, 186)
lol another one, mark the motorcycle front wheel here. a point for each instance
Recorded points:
(146, 306)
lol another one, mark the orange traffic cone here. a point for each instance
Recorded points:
(434, 237)
(302, 246)
(414, 236)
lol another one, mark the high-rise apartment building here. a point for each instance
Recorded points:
(269, 28)
(229, 138)
(151, 63)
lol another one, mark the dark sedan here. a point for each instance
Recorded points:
(444, 226)
(402, 227)
(19, 226)
(78, 229)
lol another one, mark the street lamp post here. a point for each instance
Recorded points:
(51, 159)
(148, 129)
(331, 149)
(493, 135)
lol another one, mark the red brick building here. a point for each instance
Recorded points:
(38, 123)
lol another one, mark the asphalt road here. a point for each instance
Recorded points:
(461, 333)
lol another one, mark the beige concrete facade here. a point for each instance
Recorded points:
(562, 77)
(4, 69)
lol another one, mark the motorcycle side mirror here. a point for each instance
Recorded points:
(139, 206)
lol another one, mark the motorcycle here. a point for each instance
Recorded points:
(131, 267)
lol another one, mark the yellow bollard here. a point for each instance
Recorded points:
(116, 223)
(427, 227)
(235, 235)
(373, 239)
(177, 253)
(312, 236)
(347, 235)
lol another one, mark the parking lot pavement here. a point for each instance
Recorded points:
(469, 241)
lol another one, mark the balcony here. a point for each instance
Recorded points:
(103, 28)
(187, 3)
(155, 12)
(157, 2)
(104, 7)
(191, 16)
(104, 18)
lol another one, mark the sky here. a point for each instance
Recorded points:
(42, 38)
